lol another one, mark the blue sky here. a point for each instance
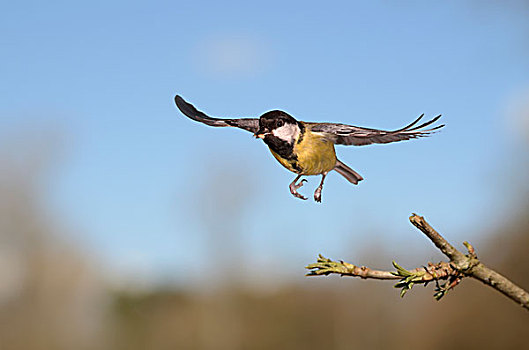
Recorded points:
(138, 183)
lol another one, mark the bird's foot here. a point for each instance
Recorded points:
(294, 187)
(317, 194)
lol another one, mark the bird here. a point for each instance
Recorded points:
(307, 148)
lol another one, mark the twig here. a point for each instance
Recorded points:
(326, 266)
(471, 266)
(460, 266)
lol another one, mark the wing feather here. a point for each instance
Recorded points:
(248, 124)
(343, 134)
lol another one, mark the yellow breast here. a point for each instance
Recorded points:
(315, 155)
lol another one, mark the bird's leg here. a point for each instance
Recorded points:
(317, 193)
(294, 186)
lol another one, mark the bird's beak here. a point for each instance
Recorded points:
(261, 133)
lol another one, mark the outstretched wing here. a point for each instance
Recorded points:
(249, 124)
(343, 134)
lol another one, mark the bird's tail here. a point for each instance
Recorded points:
(351, 175)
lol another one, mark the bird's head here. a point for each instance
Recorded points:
(278, 125)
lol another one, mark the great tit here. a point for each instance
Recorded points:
(308, 148)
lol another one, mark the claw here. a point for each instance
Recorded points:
(317, 195)
(297, 195)
(294, 186)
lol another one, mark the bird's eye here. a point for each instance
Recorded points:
(279, 123)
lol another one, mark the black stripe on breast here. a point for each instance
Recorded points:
(281, 147)
(284, 150)
(296, 166)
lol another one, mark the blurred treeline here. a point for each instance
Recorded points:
(52, 297)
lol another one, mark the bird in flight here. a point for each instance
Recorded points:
(307, 148)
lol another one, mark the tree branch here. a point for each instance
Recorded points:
(452, 272)
(326, 266)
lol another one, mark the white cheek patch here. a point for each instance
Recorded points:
(288, 132)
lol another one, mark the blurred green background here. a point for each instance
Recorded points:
(124, 225)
